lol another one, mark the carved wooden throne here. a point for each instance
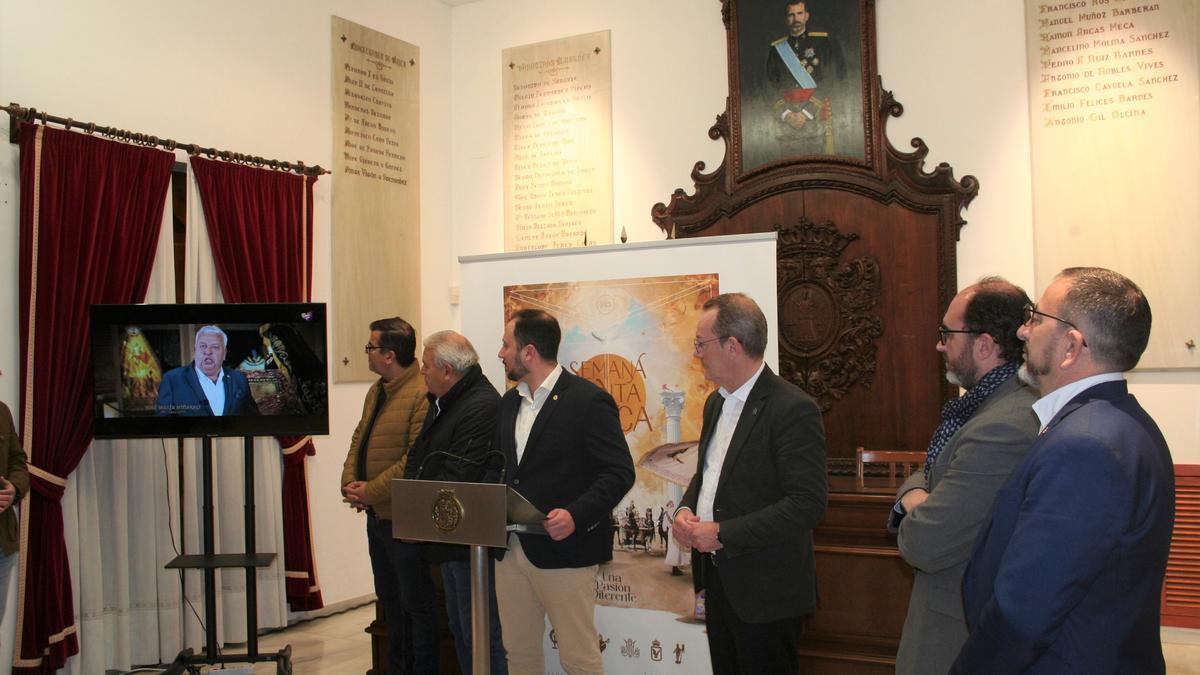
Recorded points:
(866, 268)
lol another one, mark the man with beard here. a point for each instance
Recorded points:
(205, 387)
(983, 435)
(565, 452)
(798, 64)
(1066, 575)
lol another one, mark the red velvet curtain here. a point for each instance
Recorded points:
(91, 212)
(260, 226)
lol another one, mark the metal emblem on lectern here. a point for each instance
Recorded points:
(447, 511)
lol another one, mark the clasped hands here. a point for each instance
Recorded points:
(8, 493)
(692, 532)
(796, 119)
(354, 493)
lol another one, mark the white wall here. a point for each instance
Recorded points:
(958, 69)
(254, 78)
(250, 77)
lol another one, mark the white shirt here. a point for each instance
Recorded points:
(531, 405)
(213, 391)
(718, 445)
(1048, 406)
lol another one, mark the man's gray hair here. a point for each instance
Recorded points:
(453, 350)
(212, 330)
(740, 317)
(1113, 311)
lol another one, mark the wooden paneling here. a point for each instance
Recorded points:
(1181, 587)
(865, 268)
(863, 584)
(447, 656)
(872, 249)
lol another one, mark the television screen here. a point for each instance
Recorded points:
(209, 370)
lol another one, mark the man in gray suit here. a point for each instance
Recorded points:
(983, 436)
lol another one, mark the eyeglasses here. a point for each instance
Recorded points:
(697, 345)
(370, 348)
(1032, 310)
(944, 333)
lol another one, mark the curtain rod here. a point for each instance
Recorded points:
(17, 112)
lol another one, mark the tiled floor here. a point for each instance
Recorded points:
(333, 645)
(337, 645)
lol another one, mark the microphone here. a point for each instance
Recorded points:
(475, 461)
(503, 467)
(444, 453)
(503, 460)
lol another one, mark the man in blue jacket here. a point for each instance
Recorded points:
(1066, 575)
(205, 387)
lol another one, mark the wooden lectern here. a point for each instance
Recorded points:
(478, 515)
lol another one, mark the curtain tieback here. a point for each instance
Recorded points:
(298, 445)
(46, 484)
(47, 476)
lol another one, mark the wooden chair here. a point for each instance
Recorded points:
(906, 460)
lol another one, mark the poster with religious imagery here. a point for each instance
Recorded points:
(633, 338)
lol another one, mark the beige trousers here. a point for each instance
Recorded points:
(527, 594)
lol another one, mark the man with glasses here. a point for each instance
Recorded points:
(982, 436)
(758, 492)
(393, 413)
(1067, 573)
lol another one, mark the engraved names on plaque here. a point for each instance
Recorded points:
(1102, 60)
(1115, 152)
(558, 143)
(376, 246)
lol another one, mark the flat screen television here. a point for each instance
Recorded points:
(209, 370)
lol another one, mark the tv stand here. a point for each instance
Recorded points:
(209, 561)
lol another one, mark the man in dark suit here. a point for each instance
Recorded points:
(565, 452)
(982, 437)
(1067, 573)
(759, 490)
(204, 387)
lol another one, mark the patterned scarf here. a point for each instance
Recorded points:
(956, 412)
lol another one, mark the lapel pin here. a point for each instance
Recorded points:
(554, 397)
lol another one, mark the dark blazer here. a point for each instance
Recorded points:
(1067, 573)
(180, 394)
(463, 428)
(576, 459)
(770, 495)
(936, 538)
